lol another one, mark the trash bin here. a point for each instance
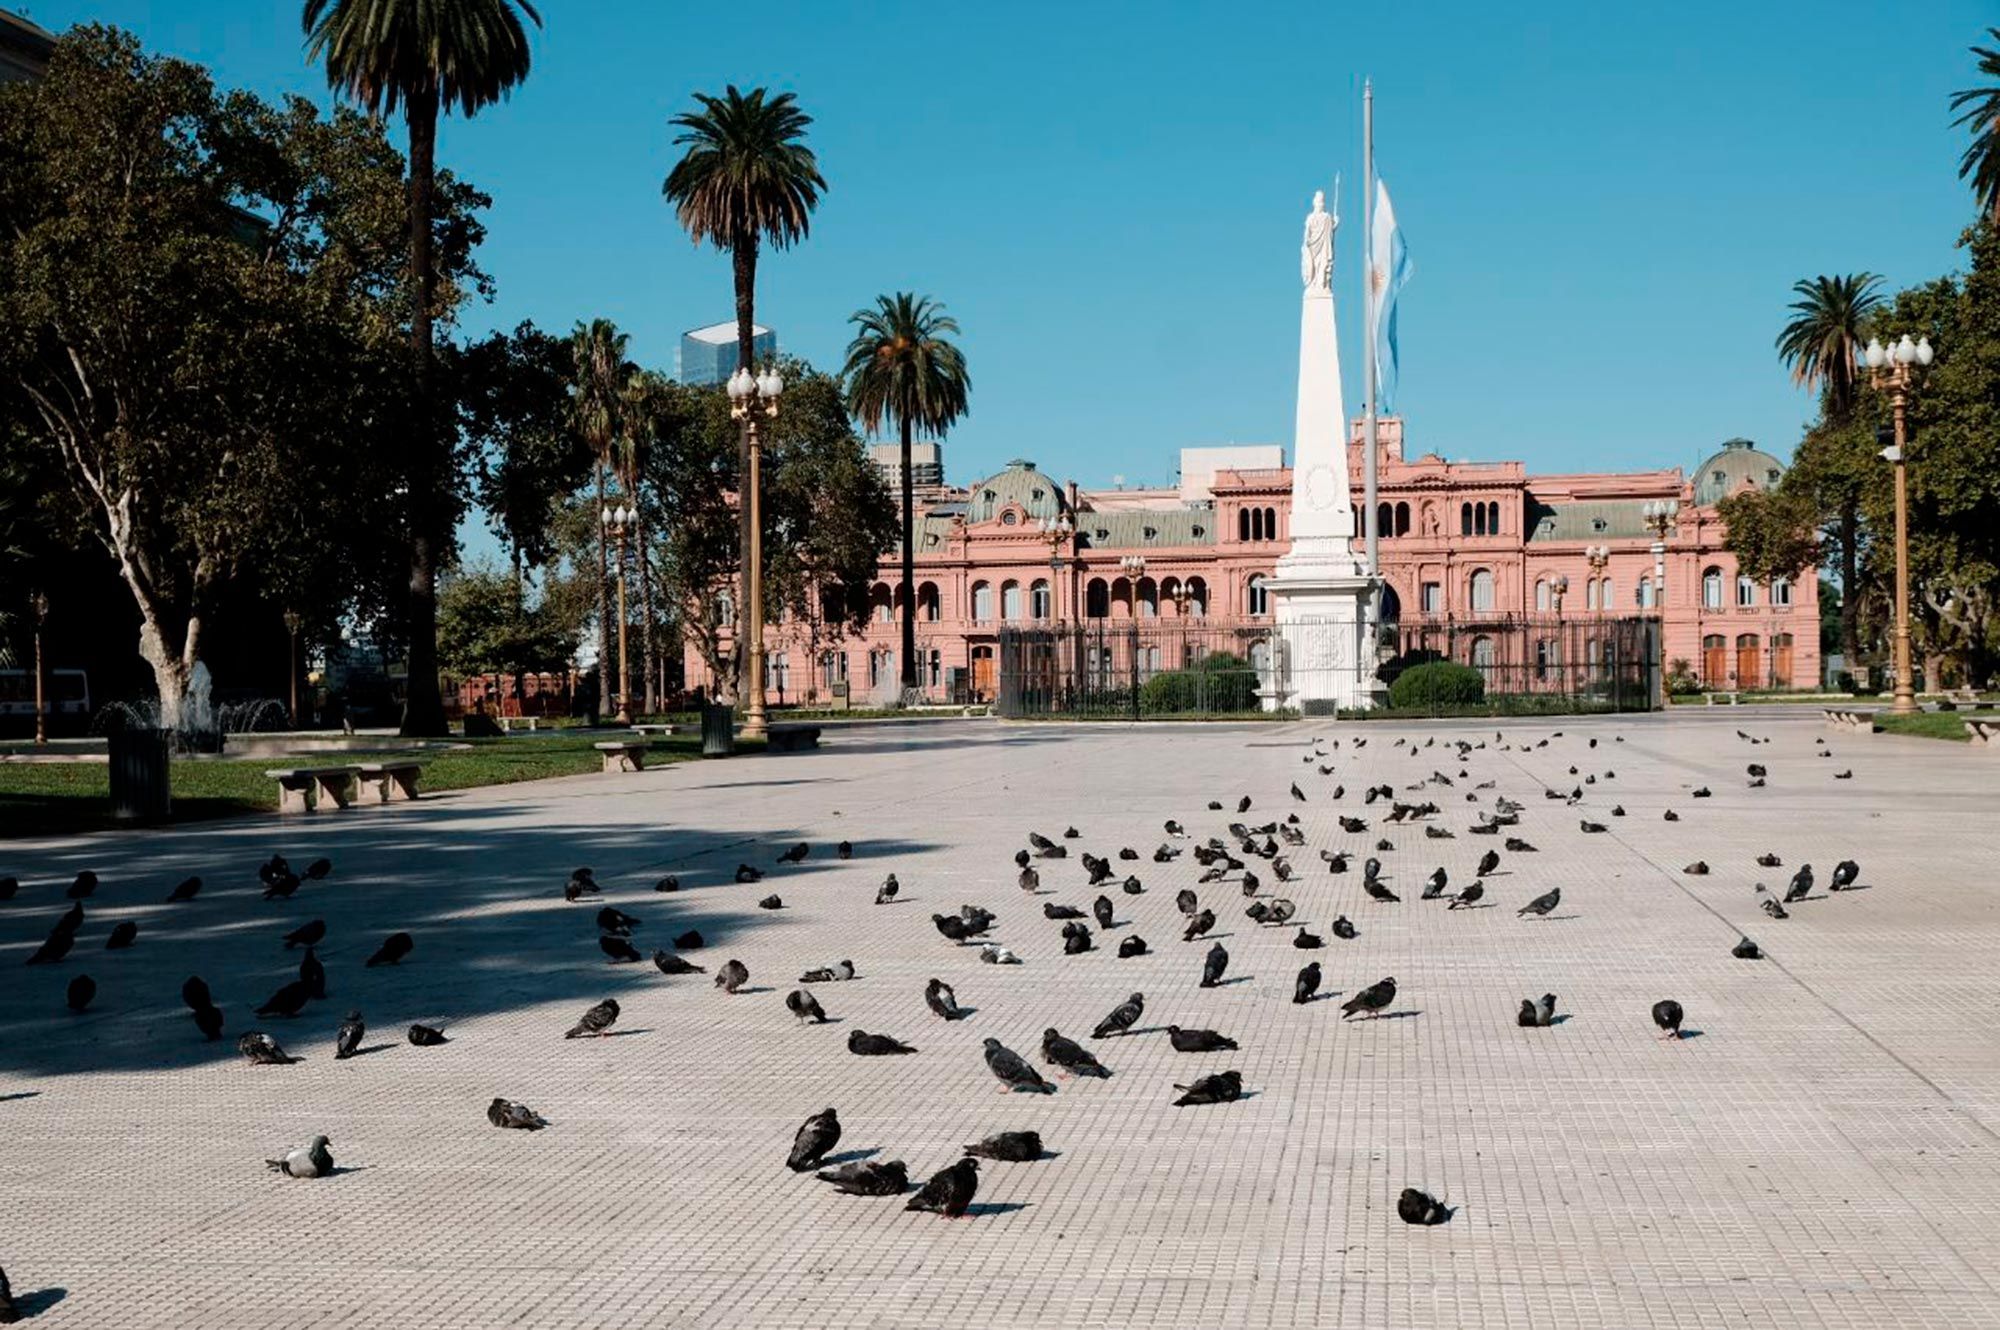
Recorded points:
(718, 729)
(140, 789)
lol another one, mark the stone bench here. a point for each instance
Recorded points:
(1709, 697)
(791, 738)
(388, 782)
(508, 723)
(1985, 732)
(306, 789)
(1848, 718)
(622, 754)
(655, 731)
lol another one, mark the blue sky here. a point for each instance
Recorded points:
(1605, 206)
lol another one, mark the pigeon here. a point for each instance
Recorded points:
(318, 870)
(194, 992)
(995, 954)
(53, 948)
(940, 998)
(308, 1161)
(81, 990)
(955, 928)
(613, 920)
(1127, 854)
(1070, 1055)
(123, 934)
(828, 974)
(1421, 1208)
(949, 1191)
(1212, 967)
(732, 976)
(1243, 804)
(1306, 984)
(817, 1136)
(1768, 860)
(1371, 999)
(348, 1041)
(1122, 1018)
(1435, 884)
(70, 921)
(507, 1113)
(596, 1021)
(1071, 833)
(1129, 947)
(1487, 863)
(617, 949)
(1017, 1147)
(1076, 939)
(1670, 816)
(669, 963)
(312, 974)
(1185, 901)
(1667, 1015)
(1051, 910)
(805, 1006)
(865, 1177)
(1131, 886)
(1704, 793)
(1756, 769)
(578, 887)
(1469, 896)
(1298, 793)
(771, 902)
(1525, 1017)
(796, 855)
(668, 883)
(289, 1000)
(10, 886)
(306, 935)
(1545, 1010)
(208, 1019)
(427, 1036)
(1258, 910)
(745, 874)
(1515, 845)
(1199, 925)
(1848, 774)
(1373, 886)
(394, 947)
(1305, 941)
(84, 885)
(862, 1044)
(887, 891)
(1746, 950)
(1699, 868)
(1541, 905)
(1845, 873)
(280, 886)
(1281, 911)
(1013, 1071)
(688, 941)
(1021, 858)
(262, 1050)
(1593, 828)
(1221, 1088)
(1101, 907)
(185, 891)
(1802, 883)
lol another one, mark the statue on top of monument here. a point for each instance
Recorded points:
(1316, 254)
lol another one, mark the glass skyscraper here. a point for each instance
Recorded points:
(708, 355)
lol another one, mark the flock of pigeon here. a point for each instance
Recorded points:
(1243, 865)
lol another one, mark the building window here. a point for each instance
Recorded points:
(1197, 596)
(1746, 592)
(1492, 519)
(1260, 598)
(1481, 588)
(1645, 593)
(1544, 657)
(1478, 519)
(1009, 517)
(1542, 594)
(1607, 595)
(883, 609)
(725, 609)
(1243, 524)
(927, 602)
(937, 668)
(1431, 598)
(1038, 601)
(1482, 653)
(1714, 660)
(1149, 598)
(1590, 594)
(833, 668)
(1711, 589)
(1781, 591)
(1465, 519)
(1010, 601)
(777, 673)
(982, 602)
(1385, 520)
(1097, 599)
(1402, 519)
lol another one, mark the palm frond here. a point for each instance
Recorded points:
(384, 54)
(902, 366)
(747, 173)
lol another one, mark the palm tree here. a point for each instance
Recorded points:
(1979, 111)
(746, 177)
(901, 365)
(426, 57)
(602, 402)
(1820, 345)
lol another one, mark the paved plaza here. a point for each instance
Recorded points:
(1825, 1151)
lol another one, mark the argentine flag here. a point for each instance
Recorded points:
(1388, 269)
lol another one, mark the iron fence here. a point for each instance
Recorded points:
(1138, 668)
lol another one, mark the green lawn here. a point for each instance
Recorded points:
(65, 798)
(1933, 724)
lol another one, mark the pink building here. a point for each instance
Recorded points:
(1460, 541)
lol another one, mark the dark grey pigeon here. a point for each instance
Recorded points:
(887, 891)
(123, 934)
(1306, 984)
(616, 949)
(1017, 1147)
(289, 1000)
(208, 1019)
(1308, 941)
(1801, 885)
(1434, 885)
(1372, 999)
(348, 1041)
(1013, 1071)
(427, 1036)
(613, 920)
(313, 1160)
(85, 884)
(1281, 912)
(1487, 863)
(862, 1044)
(194, 992)
(306, 934)
(81, 990)
(393, 949)
(1373, 886)
(1185, 901)
(507, 1113)
(1525, 1017)
(1542, 905)
(865, 1177)
(318, 870)
(1198, 1041)
(732, 976)
(1070, 1055)
(1131, 946)
(669, 963)
(1213, 965)
(688, 941)
(805, 1006)
(668, 883)
(950, 1191)
(1199, 925)
(772, 902)
(1076, 939)
(1469, 896)
(1667, 1015)
(593, 1023)
(1051, 910)
(1122, 1018)
(185, 891)
(1101, 907)
(1221, 1088)
(1845, 874)
(70, 921)
(940, 998)
(1420, 1208)
(816, 1138)
(312, 974)
(1746, 950)
(1699, 868)
(261, 1049)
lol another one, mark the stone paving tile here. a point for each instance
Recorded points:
(1825, 1153)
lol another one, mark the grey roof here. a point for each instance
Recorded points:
(1145, 528)
(1020, 483)
(1738, 461)
(1602, 519)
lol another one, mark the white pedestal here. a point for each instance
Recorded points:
(1326, 651)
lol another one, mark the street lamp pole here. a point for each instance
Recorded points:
(751, 397)
(39, 603)
(618, 521)
(292, 622)
(1661, 516)
(1893, 369)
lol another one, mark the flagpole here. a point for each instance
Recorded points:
(1369, 296)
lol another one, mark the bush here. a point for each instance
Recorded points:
(1216, 682)
(1392, 668)
(1680, 679)
(1438, 683)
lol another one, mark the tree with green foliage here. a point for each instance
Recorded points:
(515, 415)
(1979, 114)
(488, 625)
(903, 366)
(426, 57)
(747, 178)
(601, 378)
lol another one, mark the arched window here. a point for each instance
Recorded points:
(1148, 606)
(1243, 524)
(1121, 598)
(1590, 594)
(1478, 519)
(1746, 592)
(1482, 653)
(1270, 524)
(1385, 520)
(1711, 589)
(833, 603)
(1645, 593)
(1260, 597)
(880, 608)
(833, 667)
(982, 602)
(1197, 596)
(1465, 519)
(1096, 599)
(1402, 519)
(1480, 589)
(725, 609)
(1544, 657)
(1010, 600)
(1607, 595)
(1542, 595)
(1781, 594)
(1492, 519)
(927, 602)
(1038, 600)
(1170, 588)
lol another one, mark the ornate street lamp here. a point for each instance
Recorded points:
(618, 520)
(1893, 369)
(39, 603)
(1661, 516)
(292, 622)
(753, 398)
(1598, 556)
(1057, 532)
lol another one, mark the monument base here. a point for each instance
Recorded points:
(1323, 639)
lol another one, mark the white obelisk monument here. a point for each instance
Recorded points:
(1320, 595)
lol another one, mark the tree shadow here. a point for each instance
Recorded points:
(994, 1209)
(1233, 980)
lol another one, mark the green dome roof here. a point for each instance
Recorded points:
(1019, 484)
(1739, 460)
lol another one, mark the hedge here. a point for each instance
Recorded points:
(1437, 684)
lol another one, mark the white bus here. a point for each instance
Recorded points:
(67, 702)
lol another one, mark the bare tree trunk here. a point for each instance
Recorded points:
(423, 709)
(744, 262)
(909, 568)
